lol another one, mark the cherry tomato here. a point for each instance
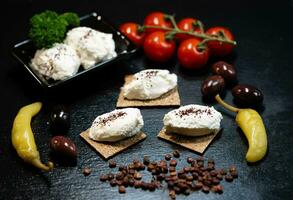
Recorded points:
(186, 24)
(219, 48)
(190, 57)
(156, 19)
(130, 31)
(157, 48)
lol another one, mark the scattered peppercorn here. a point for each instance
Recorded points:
(196, 176)
(112, 164)
(121, 189)
(229, 178)
(146, 160)
(86, 171)
(189, 160)
(176, 153)
(168, 157)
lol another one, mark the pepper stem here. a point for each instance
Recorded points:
(225, 105)
(37, 163)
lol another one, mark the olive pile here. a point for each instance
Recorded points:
(59, 123)
(225, 74)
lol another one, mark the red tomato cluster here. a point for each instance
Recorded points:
(158, 47)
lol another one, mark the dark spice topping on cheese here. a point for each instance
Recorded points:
(193, 111)
(149, 74)
(112, 117)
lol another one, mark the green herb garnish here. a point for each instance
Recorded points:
(48, 27)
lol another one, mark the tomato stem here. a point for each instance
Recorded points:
(204, 36)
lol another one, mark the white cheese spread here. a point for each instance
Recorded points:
(92, 46)
(150, 84)
(193, 120)
(59, 62)
(116, 125)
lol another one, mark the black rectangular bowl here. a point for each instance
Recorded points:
(25, 51)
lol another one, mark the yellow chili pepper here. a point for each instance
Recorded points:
(253, 128)
(23, 138)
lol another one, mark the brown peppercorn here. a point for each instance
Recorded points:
(215, 181)
(121, 189)
(217, 189)
(161, 177)
(143, 185)
(177, 190)
(172, 169)
(232, 169)
(131, 182)
(189, 160)
(219, 176)
(168, 157)
(137, 184)
(222, 171)
(229, 178)
(210, 167)
(195, 175)
(173, 173)
(112, 164)
(119, 182)
(172, 194)
(146, 160)
(119, 176)
(137, 176)
(103, 177)
(207, 182)
(198, 185)
(113, 182)
(189, 177)
(110, 176)
(176, 153)
(234, 174)
(125, 181)
(122, 168)
(205, 189)
(200, 178)
(187, 191)
(173, 163)
(152, 186)
(213, 173)
(86, 171)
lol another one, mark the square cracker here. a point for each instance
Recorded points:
(107, 149)
(198, 144)
(171, 98)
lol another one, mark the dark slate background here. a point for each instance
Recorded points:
(263, 58)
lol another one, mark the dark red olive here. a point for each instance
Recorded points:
(247, 95)
(63, 146)
(212, 86)
(60, 119)
(225, 70)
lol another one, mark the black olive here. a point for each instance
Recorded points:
(60, 119)
(212, 86)
(247, 95)
(63, 146)
(225, 70)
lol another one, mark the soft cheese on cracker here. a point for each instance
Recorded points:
(116, 125)
(193, 120)
(150, 84)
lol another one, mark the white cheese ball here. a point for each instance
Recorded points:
(92, 46)
(59, 62)
(116, 125)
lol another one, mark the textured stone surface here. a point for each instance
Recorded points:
(263, 58)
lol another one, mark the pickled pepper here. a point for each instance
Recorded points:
(23, 138)
(253, 128)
